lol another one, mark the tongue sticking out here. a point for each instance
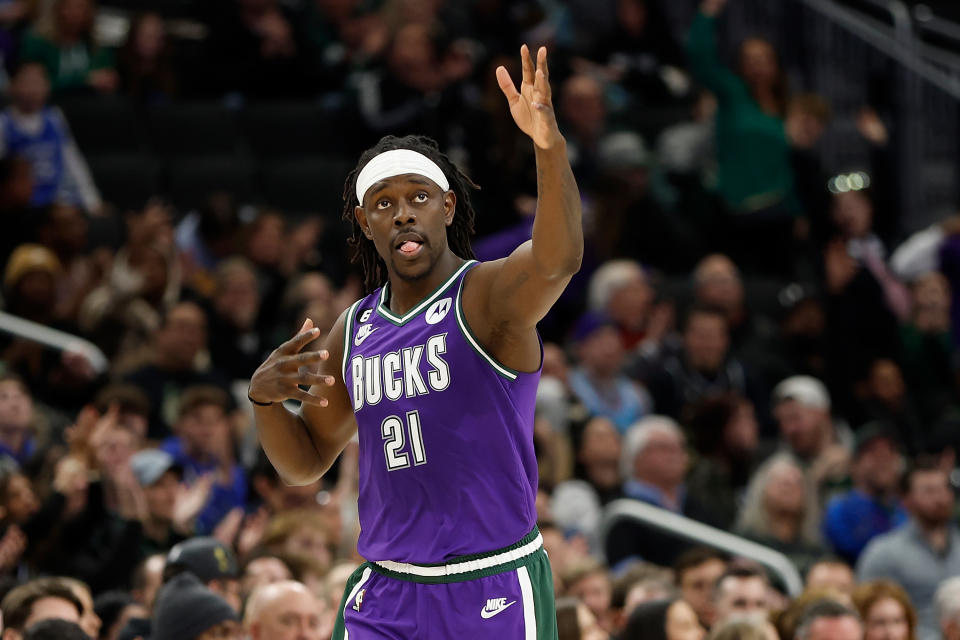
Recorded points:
(409, 246)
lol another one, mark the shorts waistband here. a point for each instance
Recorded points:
(466, 567)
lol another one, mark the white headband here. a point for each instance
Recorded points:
(396, 163)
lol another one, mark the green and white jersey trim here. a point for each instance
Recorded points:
(353, 594)
(383, 307)
(529, 610)
(347, 332)
(466, 566)
(471, 339)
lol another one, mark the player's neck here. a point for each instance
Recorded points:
(405, 294)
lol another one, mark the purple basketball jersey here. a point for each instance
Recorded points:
(447, 466)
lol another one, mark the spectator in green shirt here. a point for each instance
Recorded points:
(757, 129)
(68, 50)
(753, 151)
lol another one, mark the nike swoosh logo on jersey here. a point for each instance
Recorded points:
(363, 334)
(487, 614)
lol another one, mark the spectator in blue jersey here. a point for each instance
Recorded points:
(31, 128)
(204, 448)
(871, 507)
(598, 381)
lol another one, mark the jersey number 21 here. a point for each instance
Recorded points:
(392, 430)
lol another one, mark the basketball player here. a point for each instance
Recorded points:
(436, 370)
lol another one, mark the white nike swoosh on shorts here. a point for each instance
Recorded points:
(489, 614)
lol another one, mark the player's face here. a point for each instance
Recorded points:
(407, 217)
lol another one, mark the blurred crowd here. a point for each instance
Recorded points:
(753, 341)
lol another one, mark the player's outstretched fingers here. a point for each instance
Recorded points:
(543, 67)
(307, 378)
(308, 398)
(526, 62)
(305, 359)
(299, 341)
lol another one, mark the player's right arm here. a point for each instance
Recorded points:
(302, 446)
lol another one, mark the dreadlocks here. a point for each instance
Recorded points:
(458, 233)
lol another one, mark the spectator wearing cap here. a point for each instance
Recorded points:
(801, 406)
(597, 381)
(286, 611)
(204, 445)
(924, 551)
(187, 610)
(29, 282)
(872, 506)
(703, 367)
(159, 476)
(212, 562)
(40, 599)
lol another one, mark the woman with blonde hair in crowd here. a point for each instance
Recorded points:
(781, 511)
(744, 629)
(886, 611)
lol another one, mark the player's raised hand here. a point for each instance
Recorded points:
(281, 374)
(532, 106)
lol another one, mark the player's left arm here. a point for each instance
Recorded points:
(505, 299)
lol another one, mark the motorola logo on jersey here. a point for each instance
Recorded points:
(407, 372)
(366, 315)
(438, 310)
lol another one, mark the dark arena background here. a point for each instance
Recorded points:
(748, 419)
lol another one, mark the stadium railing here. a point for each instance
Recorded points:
(54, 338)
(684, 528)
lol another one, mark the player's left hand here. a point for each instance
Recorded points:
(532, 106)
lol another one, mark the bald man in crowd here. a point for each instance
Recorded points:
(286, 611)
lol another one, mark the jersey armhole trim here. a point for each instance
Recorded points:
(471, 339)
(347, 330)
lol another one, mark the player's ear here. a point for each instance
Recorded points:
(449, 206)
(361, 217)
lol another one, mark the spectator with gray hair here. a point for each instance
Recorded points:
(829, 620)
(654, 463)
(780, 511)
(621, 290)
(948, 608)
